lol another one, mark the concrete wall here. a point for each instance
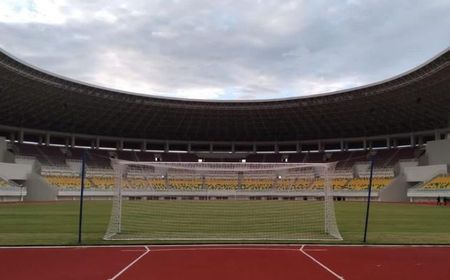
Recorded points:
(8, 157)
(421, 195)
(423, 173)
(38, 189)
(36, 165)
(5, 155)
(361, 168)
(396, 191)
(438, 152)
(400, 166)
(3, 150)
(12, 196)
(15, 171)
(403, 164)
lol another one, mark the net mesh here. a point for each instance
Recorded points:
(222, 201)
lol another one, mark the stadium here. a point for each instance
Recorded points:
(168, 171)
(99, 183)
(348, 127)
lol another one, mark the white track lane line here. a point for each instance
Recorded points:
(315, 250)
(222, 249)
(147, 250)
(130, 250)
(321, 264)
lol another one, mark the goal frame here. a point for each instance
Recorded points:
(120, 166)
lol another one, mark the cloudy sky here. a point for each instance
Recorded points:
(243, 49)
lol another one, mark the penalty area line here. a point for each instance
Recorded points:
(147, 250)
(321, 264)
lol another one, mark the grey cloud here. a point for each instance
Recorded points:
(265, 50)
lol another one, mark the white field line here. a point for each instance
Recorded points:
(321, 264)
(228, 245)
(147, 250)
(71, 246)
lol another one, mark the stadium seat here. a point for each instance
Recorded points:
(438, 183)
(359, 184)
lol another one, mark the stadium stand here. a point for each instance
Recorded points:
(438, 183)
(185, 183)
(338, 183)
(221, 183)
(257, 184)
(68, 182)
(362, 183)
(61, 166)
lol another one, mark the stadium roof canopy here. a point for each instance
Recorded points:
(418, 100)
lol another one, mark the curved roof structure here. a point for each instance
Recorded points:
(418, 100)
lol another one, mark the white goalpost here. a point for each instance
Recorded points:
(208, 201)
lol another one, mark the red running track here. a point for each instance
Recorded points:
(226, 262)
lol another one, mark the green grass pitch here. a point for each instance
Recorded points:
(56, 223)
(226, 220)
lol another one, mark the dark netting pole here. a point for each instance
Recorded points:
(369, 196)
(83, 175)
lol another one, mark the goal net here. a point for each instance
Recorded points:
(222, 201)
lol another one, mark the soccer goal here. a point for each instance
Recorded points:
(222, 202)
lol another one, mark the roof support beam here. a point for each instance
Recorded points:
(47, 139)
